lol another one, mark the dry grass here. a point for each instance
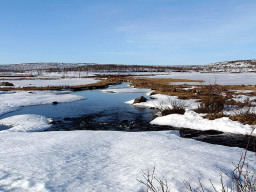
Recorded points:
(172, 107)
(98, 85)
(213, 98)
(245, 116)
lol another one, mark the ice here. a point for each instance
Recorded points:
(14, 100)
(126, 90)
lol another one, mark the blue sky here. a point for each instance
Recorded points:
(153, 32)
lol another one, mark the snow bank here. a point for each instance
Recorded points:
(193, 120)
(55, 82)
(126, 90)
(162, 101)
(26, 123)
(14, 100)
(107, 161)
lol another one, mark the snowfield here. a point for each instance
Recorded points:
(12, 101)
(107, 161)
(26, 123)
(51, 83)
(213, 78)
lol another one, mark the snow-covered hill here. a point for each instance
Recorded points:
(231, 66)
(40, 66)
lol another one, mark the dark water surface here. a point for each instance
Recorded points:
(107, 111)
(2, 127)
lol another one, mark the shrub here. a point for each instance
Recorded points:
(171, 107)
(152, 183)
(243, 179)
(213, 102)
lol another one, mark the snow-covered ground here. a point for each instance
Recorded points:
(107, 161)
(194, 120)
(163, 101)
(11, 101)
(26, 123)
(50, 83)
(212, 78)
(191, 119)
(126, 90)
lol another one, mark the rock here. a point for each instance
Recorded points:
(140, 99)
(52, 123)
(6, 84)
(54, 102)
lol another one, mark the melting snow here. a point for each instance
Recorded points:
(26, 123)
(14, 100)
(55, 82)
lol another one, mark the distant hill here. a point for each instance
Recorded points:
(39, 66)
(239, 66)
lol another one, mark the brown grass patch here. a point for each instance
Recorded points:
(247, 117)
(98, 85)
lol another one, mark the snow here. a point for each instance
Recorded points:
(243, 91)
(163, 101)
(26, 123)
(212, 78)
(54, 82)
(243, 98)
(15, 100)
(193, 120)
(126, 90)
(107, 161)
(232, 66)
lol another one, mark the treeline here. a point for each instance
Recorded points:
(124, 68)
(65, 67)
(228, 66)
